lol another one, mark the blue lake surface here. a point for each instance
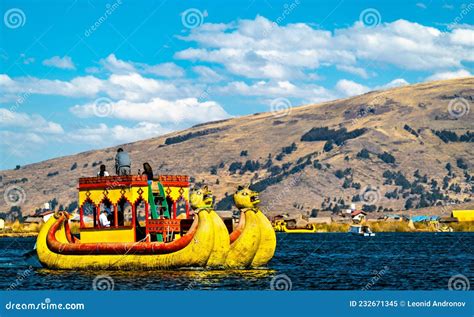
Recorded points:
(329, 261)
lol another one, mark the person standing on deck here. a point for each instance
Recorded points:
(148, 171)
(122, 163)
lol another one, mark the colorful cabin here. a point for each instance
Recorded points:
(136, 209)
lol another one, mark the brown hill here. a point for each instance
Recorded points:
(419, 127)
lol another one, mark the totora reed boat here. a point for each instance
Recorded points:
(281, 226)
(128, 222)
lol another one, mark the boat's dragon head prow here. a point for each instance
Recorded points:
(201, 198)
(244, 197)
(57, 214)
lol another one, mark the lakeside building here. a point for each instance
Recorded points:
(358, 216)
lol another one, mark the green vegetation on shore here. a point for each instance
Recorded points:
(17, 229)
(397, 226)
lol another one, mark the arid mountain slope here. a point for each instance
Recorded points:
(305, 174)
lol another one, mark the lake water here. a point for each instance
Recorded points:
(336, 261)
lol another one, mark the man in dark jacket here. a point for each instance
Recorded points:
(122, 163)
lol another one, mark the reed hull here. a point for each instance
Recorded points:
(207, 245)
(221, 245)
(267, 246)
(195, 254)
(255, 244)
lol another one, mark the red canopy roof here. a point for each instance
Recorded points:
(357, 212)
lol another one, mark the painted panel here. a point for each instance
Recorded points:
(108, 235)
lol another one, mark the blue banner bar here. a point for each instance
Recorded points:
(237, 303)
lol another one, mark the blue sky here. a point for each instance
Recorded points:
(80, 75)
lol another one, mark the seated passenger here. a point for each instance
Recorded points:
(110, 216)
(102, 171)
(148, 171)
(103, 220)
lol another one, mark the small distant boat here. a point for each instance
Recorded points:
(361, 230)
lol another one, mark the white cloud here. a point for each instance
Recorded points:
(463, 37)
(349, 88)
(404, 44)
(353, 70)
(421, 5)
(158, 110)
(394, 83)
(77, 87)
(128, 86)
(165, 70)
(103, 135)
(33, 122)
(21, 133)
(19, 144)
(135, 87)
(60, 62)
(207, 74)
(272, 89)
(449, 75)
(116, 66)
(276, 60)
(259, 49)
(92, 70)
(305, 93)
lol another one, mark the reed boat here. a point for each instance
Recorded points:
(280, 226)
(149, 225)
(253, 242)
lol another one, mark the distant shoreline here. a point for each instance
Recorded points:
(35, 234)
(18, 234)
